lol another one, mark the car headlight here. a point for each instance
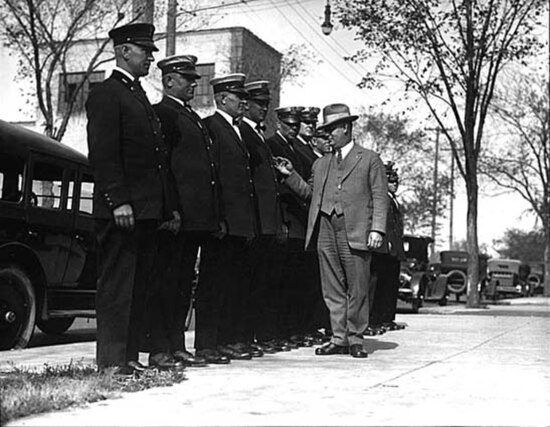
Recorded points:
(518, 288)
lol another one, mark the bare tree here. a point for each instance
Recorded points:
(522, 163)
(450, 54)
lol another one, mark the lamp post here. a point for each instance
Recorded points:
(326, 27)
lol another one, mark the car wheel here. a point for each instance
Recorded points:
(17, 308)
(416, 304)
(456, 282)
(443, 301)
(55, 326)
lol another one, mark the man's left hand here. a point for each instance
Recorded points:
(375, 240)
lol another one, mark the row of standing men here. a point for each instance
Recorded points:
(170, 185)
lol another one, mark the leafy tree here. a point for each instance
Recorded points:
(297, 60)
(43, 32)
(522, 164)
(527, 246)
(391, 136)
(449, 54)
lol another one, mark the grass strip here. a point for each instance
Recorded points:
(25, 391)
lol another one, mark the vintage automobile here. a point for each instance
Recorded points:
(417, 284)
(507, 277)
(47, 243)
(455, 265)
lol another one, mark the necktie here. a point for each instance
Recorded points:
(236, 121)
(260, 129)
(338, 155)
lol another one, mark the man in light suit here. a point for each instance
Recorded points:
(347, 220)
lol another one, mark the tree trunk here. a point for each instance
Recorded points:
(547, 258)
(472, 242)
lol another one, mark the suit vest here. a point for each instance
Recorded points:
(332, 194)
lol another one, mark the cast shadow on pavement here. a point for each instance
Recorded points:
(373, 345)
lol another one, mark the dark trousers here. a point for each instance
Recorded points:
(266, 263)
(292, 286)
(315, 312)
(175, 274)
(345, 275)
(385, 280)
(224, 279)
(126, 262)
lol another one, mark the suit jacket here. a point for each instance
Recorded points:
(193, 165)
(127, 153)
(237, 187)
(294, 208)
(265, 181)
(364, 195)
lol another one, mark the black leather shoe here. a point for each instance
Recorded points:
(373, 330)
(264, 348)
(331, 348)
(213, 357)
(392, 326)
(188, 359)
(275, 345)
(249, 348)
(356, 350)
(165, 362)
(290, 344)
(136, 366)
(233, 353)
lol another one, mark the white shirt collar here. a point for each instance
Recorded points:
(281, 135)
(346, 149)
(226, 116)
(249, 122)
(179, 101)
(229, 120)
(126, 73)
(302, 140)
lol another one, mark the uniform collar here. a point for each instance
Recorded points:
(125, 73)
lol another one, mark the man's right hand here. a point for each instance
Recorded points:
(283, 165)
(124, 217)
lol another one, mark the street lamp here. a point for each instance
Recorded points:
(327, 25)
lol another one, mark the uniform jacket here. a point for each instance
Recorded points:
(265, 181)
(192, 159)
(308, 157)
(364, 190)
(127, 153)
(237, 187)
(294, 208)
(393, 240)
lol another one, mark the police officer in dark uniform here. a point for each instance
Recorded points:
(228, 279)
(308, 124)
(283, 144)
(386, 263)
(265, 260)
(197, 183)
(132, 197)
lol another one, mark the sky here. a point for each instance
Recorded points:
(284, 22)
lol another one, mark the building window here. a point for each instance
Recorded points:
(204, 96)
(71, 83)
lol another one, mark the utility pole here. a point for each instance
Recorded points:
(171, 27)
(435, 175)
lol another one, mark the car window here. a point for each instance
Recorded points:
(11, 178)
(86, 194)
(46, 185)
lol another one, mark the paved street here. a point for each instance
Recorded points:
(451, 366)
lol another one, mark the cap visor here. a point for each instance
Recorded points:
(147, 45)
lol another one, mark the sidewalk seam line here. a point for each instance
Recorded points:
(433, 362)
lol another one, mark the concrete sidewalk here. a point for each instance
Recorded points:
(445, 369)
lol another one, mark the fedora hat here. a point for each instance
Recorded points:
(335, 113)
